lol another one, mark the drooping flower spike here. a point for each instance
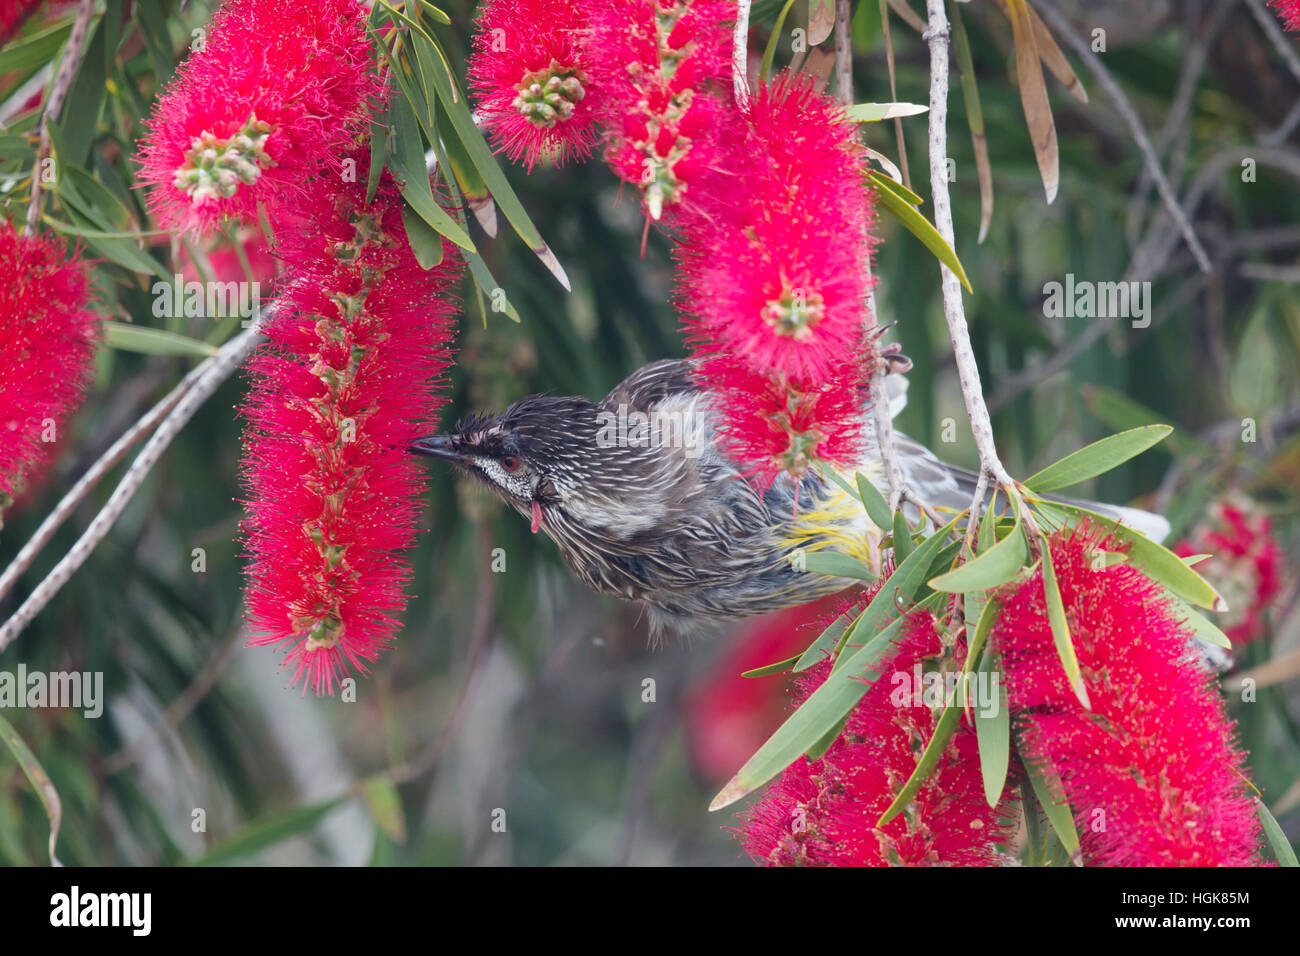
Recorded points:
(347, 382)
(663, 69)
(274, 92)
(47, 342)
(1151, 771)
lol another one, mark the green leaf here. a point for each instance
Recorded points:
(426, 244)
(484, 279)
(148, 341)
(480, 154)
(385, 806)
(35, 50)
(818, 649)
(39, 780)
(818, 715)
(874, 502)
(436, 13)
(818, 750)
(769, 669)
(993, 732)
(1058, 814)
(837, 565)
(875, 112)
(989, 568)
(1156, 561)
(832, 475)
(1061, 627)
(1205, 629)
(902, 536)
(475, 191)
(407, 161)
(378, 152)
(268, 831)
(769, 52)
(894, 201)
(1097, 458)
(892, 184)
(1282, 849)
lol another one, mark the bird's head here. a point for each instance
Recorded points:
(529, 454)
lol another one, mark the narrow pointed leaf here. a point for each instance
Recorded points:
(820, 648)
(874, 502)
(918, 225)
(988, 569)
(1282, 849)
(837, 565)
(39, 780)
(875, 112)
(1061, 628)
(769, 669)
(1058, 814)
(974, 116)
(1097, 458)
(993, 733)
(769, 52)
(149, 341)
(902, 536)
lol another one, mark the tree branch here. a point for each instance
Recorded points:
(72, 54)
(954, 310)
(1062, 27)
(204, 379)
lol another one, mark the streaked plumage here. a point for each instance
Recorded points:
(665, 517)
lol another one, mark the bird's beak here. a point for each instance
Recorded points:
(436, 446)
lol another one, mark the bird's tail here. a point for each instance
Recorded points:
(947, 486)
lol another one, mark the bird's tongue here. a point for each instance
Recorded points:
(537, 516)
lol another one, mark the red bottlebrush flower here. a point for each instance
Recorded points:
(825, 811)
(776, 429)
(1245, 565)
(781, 282)
(1151, 771)
(1288, 11)
(773, 283)
(728, 716)
(277, 91)
(344, 386)
(47, 342)
(663, 67)
(533, 81)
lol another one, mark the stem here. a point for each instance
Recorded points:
(740, 55)
(202, 381)
(953, 309)
(72, 54)
(106, 462)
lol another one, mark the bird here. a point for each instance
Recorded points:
(639, 493)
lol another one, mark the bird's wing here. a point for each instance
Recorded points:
(651, 384)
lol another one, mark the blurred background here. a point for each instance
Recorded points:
(520, 698)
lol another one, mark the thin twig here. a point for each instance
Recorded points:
(1062, 27)
(106, 462)
(1280, 41)
(740, 55)
(206, 378)
(953, 309)
(72, 54)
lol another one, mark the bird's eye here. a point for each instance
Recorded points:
(510, 463)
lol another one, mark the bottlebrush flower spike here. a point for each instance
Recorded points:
(1288, 11)
(1151, 772)
(664, 69)
(344, 386)
(779, 280)
(1245, 564)
(47, 342)
(775, 429)
(276, 92)
(824, 812)
(532, 80)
